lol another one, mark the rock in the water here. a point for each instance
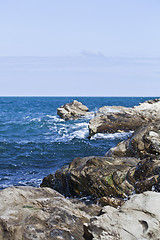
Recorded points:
(149, 110)
(144, 142)
(72, 110)
(117, 118)
(95, 177)
(39, 213)
(114, 122)
(138, 218)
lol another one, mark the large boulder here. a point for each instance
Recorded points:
(39, 213)
(138, 218)
(109, 180)
(116, 118)
(73, 110)
(95, 177)
(149, 110)
(114, 122)
(144, 142)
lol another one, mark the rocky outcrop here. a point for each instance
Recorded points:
(114, 122)
(72, 110)
(95, 177)
(106, 178)
(149, 110)
(138, 218)
(39, 213)
(144, 142)
(113, 119)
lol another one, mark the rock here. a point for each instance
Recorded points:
(113, 202)
(96, 177)
(114, 122)
(116, 118)
(149, 109)
(147, 175)
(112, 109)
(119, 151)
(72, 110)
(144, 142)
(39, 213)
(138, 218)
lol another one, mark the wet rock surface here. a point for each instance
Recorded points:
(138, 218)
(72, 110)
(95, 177)
(109, 179)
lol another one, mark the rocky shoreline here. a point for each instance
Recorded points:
(112, 197)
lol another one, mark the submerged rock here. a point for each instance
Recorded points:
(116, 118)
(138, 218)
(144, 142)
(95, 177)
(39, 213)
(72, 110)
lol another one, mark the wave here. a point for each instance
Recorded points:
(112, 136)
(55, 118)
(69, 132)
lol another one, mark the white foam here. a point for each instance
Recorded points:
(67, 132)
(38, 119)
(55, 118)
(111, 136)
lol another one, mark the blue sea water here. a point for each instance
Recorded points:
(35, 142)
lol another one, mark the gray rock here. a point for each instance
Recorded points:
(72, 110)
(138, 218)
(117, 118)
(39, 213)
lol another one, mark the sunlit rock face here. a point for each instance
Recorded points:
(39, 213)
(116, 118)
(138, 218)
(72, 110)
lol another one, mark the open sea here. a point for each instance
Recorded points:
(35, 142)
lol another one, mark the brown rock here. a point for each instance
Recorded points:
(72, 110)
(117, 118)
(113, 202)
(144, 142)
(114, 122)
(96, 177)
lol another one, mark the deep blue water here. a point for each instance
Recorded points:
(34, 141)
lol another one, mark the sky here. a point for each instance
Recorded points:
(79, 48)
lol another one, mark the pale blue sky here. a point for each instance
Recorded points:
(84, 48)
